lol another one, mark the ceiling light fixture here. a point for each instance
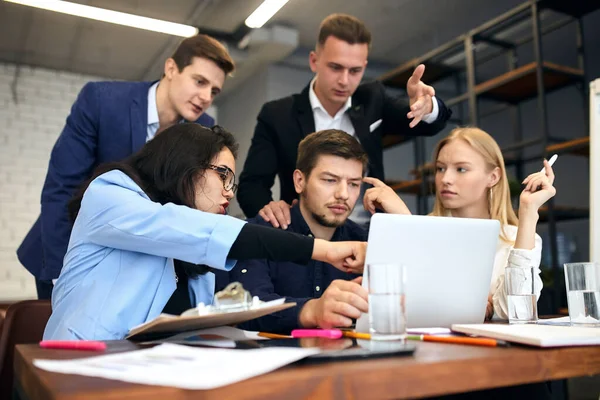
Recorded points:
(264, 12)
(113, 17)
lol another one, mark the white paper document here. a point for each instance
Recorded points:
(181, 366)
(428, 331)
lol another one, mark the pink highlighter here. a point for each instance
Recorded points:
(324, 333)
(89, 345)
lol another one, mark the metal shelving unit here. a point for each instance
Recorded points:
(519, 83)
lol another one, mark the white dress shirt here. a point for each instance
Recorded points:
(153, 123)
(341, 120)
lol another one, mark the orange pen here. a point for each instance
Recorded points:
(356, 335)
(273, 335)
(460, 340)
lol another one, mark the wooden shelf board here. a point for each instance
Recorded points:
(579, 146)
(521, 84)
(427, 167)
(398, 77)
(410, 187)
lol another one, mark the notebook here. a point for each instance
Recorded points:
(534, 335)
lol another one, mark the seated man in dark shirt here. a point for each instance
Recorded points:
(330, 168)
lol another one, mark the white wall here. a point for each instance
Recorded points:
(284, 80)
(29, 126)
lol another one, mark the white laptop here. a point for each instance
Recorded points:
(449, 263)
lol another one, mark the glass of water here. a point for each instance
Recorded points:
(522, 301)
(583, 293)
(387, 306)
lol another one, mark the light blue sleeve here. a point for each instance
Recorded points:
(116, 213)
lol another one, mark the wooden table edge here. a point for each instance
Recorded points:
(538, 365)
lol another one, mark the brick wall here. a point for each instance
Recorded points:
(30, 123)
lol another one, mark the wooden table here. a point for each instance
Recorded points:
(435, 369)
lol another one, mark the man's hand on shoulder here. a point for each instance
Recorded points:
(277, 213)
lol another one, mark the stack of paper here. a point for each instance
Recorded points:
(181, 366)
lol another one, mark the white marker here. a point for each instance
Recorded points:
(551, 161)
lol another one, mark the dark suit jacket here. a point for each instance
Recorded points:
(108, 122)
(283, 123)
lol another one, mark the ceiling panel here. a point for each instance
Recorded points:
(227, 15)
(402, 29)
(170, 10)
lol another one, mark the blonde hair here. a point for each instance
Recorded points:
(499, 195)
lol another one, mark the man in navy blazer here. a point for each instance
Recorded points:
(108, 122)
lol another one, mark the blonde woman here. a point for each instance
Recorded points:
(471, 182)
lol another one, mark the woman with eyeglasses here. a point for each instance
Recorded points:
(147, 233)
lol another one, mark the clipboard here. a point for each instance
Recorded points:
(233, 305)
(166, 325)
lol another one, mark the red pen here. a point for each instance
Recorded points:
(325, 333)
(90, 345)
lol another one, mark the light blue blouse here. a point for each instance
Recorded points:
(118, 271)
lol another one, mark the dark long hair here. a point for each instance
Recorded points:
(167, 167)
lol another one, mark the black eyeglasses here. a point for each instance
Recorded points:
(227, 176)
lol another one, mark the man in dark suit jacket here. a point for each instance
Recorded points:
(108, 122)
(333, 100)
